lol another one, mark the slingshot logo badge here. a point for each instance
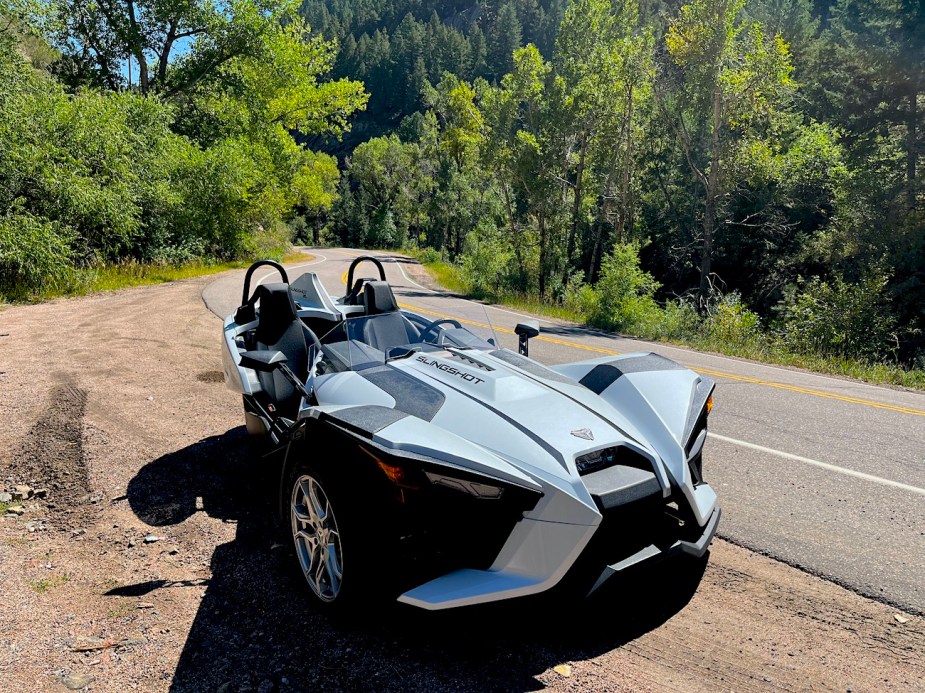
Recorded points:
(583, 433)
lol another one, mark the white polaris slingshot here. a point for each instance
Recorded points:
(425, 463)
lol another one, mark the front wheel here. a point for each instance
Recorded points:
(336, 540)
(317, 538)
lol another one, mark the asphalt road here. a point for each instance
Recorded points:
(824, 473)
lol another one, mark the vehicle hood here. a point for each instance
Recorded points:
(540, 424)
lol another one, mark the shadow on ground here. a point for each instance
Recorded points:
(257, 628)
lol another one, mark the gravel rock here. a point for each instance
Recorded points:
(15, 510)
(77, 681)
(22, 492)
(150, 539)
(5, 497)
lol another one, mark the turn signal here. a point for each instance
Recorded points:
(709, 404)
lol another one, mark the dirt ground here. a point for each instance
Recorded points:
(153, 562)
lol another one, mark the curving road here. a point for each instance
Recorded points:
(824, 473)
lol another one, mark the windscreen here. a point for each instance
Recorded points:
(372, 340)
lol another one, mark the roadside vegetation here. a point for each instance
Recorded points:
(726, 327)
(109, 182)
(738, 175)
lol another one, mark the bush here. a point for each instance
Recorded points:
(486, 261)
(428, 255)
(835, 318)
(35, 255)
(730, 322)
(580, 298)
(624, 291)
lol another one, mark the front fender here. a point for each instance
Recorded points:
(664, 401)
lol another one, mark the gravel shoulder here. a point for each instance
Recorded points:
(153, 563)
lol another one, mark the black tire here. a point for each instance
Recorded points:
(345, 530)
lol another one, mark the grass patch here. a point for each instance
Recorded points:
(296, 256)
(46, 584)
(126, 274)
(759, 348)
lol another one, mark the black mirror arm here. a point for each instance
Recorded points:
(524, 331)
(307, 393)
(268, 361)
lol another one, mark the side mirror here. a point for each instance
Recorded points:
(526, 331)
(263, 361)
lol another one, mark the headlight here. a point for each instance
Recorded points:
(473, 488)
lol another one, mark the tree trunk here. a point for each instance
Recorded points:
(138, 50)
(541, 222)
(712, 184)
(165, 52)
(912, 149)
(514, 239)
(576, 207)
(597, 250)
(626, 191)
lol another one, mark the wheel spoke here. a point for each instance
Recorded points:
(310, 539)
(305, 487)
(300, 513)
(333, 562)
(319, 509)
(319, 574)
(333, 571)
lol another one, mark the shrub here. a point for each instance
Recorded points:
(429, 255)
(731, 322)
(835, 318)
(486, 261)
(580, 298)
(624, 291)
(35, 255)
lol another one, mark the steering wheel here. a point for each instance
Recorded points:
(436, 323)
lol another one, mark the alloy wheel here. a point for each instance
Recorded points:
(316, 538)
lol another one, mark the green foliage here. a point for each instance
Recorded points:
(730, 322)
(624, 291)
(835, 318)
(486, 265)
(100, 176)
(35, 255)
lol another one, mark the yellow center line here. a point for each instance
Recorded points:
(705, 371)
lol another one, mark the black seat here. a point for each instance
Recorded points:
(280, 329)
(387, 327)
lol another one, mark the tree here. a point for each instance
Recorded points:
(504, 38)
(730, 79)
(604, 66)
(522, 156)
(874, 74)
(96, 37)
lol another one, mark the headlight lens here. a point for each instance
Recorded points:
(473, 488)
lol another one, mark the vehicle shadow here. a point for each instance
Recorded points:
(257, 628)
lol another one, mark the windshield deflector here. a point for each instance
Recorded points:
(371, 340)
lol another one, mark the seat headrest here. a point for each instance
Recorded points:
(378, 298)
(277, 312)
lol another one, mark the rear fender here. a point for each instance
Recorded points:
(238, 379)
